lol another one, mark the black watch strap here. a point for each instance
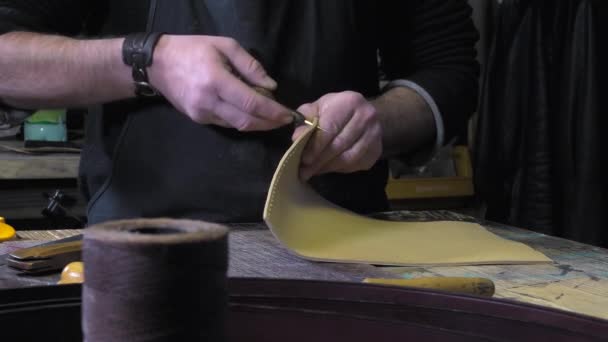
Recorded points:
(137, 52)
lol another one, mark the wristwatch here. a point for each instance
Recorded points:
(137, 52)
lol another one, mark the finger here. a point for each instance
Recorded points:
(232, 90)
(361, 156)
(338, 146)
(236, 118)
(332, 125)
(310, 111)
(350, 134)
(298, 132)
(364, 164)
(204, 115)
(246, 65)
(216, 120)
(212, 119)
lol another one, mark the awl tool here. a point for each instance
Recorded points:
(299, 119)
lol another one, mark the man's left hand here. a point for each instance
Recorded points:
(351, 139)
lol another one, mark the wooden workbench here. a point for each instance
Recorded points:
(578, 281)
(15, 165)
(254, 252)
(24, 177)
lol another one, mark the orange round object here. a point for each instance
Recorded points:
(73, 273)
(6, 232)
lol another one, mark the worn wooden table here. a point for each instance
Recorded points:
(254, 252)
(577, 281)
(16, 165)
(24, 177)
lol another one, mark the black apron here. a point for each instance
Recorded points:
(145, 159)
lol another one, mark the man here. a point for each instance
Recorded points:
(207, 146)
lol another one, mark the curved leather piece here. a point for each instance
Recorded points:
(289, 310)
(316, 229)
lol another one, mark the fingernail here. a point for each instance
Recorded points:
(269, 82)
(287, 119)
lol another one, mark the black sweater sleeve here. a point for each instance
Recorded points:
(66, 17)
(432, 43)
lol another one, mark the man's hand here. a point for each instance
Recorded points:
(352, 140)
(201, 77)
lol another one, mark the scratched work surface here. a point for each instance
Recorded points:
(254, 252)
(578, 281)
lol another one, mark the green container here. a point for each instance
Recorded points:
(46, 125)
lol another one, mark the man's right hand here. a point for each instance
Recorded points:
(210, 80)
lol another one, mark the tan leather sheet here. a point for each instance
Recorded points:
(316, 229)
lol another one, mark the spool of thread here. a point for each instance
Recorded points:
(154, 280)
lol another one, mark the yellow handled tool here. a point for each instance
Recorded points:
(74, 273)
(474, 286)
(6, 232)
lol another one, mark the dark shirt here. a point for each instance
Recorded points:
(143, 158)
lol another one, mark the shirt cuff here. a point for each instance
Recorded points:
(439, 128)
(440, 131)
